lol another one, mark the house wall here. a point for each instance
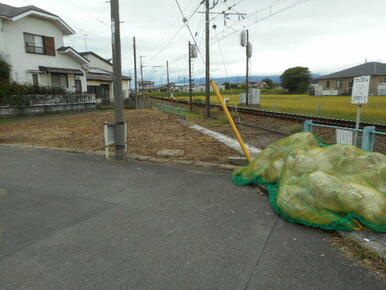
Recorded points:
(375, 81)
(2, 39)
(21, 62)
(98, 63)
(125, 88)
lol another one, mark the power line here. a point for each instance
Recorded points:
(175, 34)
(186, 21)
(87, 13)
(161, 39)
(168, 43)
(271, 14)
(222, 57)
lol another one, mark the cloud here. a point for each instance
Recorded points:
(323, 35)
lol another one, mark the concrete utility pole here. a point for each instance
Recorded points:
(207, 54)
(135, 74)
(120, 153)
(247, 74)
(190, 78)
(142, 85)
(167, 78)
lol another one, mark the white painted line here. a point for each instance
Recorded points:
(230, 142)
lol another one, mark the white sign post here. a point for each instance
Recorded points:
(360, 96)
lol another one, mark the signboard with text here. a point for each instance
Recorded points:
(360, 90)
(344, 137)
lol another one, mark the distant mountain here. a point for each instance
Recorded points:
(241, 79)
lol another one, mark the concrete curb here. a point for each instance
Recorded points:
(374, 242)
(132, 156)
(228, 141)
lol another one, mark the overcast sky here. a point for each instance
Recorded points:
(324, 35)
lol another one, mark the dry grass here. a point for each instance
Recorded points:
(149, 131)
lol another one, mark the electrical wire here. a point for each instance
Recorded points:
(297, 3)
(87, 13)
(222, 58)
(174, 35)
(186, 21)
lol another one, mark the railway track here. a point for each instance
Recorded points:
(288, 116)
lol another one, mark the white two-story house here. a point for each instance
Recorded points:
(100, 78)
(31, 41)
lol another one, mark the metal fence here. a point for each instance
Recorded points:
(368, 133)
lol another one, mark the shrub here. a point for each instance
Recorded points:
(5, 71)
(13, 94)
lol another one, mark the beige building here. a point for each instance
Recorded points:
(342, 81)
(100, 78)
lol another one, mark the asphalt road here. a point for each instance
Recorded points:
(70, 221)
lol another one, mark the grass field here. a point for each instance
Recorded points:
(338, 107)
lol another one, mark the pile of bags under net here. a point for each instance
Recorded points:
(336, 187)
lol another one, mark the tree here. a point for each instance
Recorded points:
(5, 71)
(269, 83)
(227, 85)
(296, 79)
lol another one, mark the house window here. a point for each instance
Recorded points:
(78, 86)
(35, 80)
(59, 80)
(34, 43)
(339, 84)
(39, 44)
(328, 85)
(350, 83)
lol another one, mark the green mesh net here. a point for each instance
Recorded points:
(337, 187)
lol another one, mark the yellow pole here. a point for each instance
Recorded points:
(230, 119)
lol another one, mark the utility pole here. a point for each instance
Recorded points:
(207, 54)
(167, 78)
(117, 83)
(142, 85)
(190, 78)
(247, 74)
(135, 74)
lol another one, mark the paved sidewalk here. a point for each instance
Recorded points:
(72, 221)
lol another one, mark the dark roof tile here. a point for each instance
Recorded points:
(369, 68)
(11, 11)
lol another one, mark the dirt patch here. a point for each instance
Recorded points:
(149, 131)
